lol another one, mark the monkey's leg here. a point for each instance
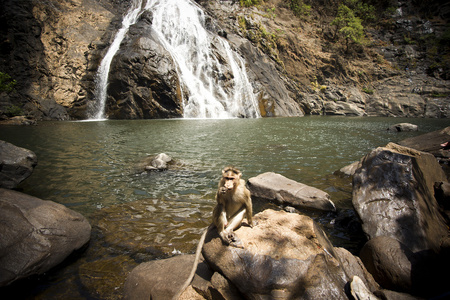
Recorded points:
(236, 220)
(233, 223)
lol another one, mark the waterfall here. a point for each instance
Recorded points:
(180, 25)
(203, 60)
(101, 80)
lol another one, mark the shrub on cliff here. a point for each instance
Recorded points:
(6, 82)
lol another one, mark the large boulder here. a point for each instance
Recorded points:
(276, 187)
(285, 255)
(393, 194)
(16, 164)
(36, 235)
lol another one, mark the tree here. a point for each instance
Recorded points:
(348, 26)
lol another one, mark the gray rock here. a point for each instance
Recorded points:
(37, 235)
(429, 142)
(275, 187)
(390, 262)
(16, 164)
(162, 279)
(393, 196)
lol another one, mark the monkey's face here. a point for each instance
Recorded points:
(229, 182)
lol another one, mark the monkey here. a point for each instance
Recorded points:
(233, 203)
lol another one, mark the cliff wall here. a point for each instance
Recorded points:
(53, 49)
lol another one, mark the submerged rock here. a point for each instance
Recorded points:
(37, 235)
(16, 164)
(275, 187)
(403, 127)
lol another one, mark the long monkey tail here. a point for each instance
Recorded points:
(194, 266)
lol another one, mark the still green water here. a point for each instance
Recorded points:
(91, 167)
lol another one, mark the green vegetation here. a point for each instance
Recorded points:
(6, 83)
(13, 111)
(248, 3)
(348, 26)
(364, 11)
(318, 87)
(367, 90)
(300, 8)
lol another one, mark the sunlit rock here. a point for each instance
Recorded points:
(285, 254)
(276, 187)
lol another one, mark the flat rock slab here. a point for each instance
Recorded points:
(276, 187)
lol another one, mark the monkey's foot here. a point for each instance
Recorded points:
(237, 243)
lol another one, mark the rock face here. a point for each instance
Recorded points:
(393, 195)
(275, 187)
(16, 164)
(430, 142)
(48, 47)
(37, 235)
(143, 78)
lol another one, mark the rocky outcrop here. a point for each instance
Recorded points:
(16, 164)
(430, 142)
(53, 50)
(37, 235)
(399, 182)
(275, 187)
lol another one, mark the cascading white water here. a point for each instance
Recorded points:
(180, 26)
(101, 80)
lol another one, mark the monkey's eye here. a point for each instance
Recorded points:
(229, 178)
